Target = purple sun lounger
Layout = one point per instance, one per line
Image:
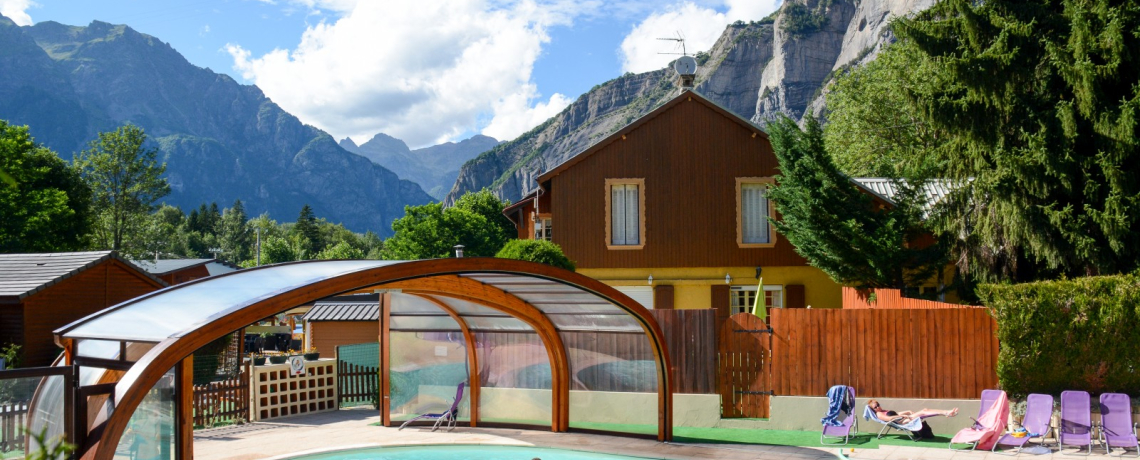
(1038, 414)
(1076, 420)
(849, 427)
(445, 418)
(1116, 427)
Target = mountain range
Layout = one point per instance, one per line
(435, 168)
(220, 140)
(781, 64)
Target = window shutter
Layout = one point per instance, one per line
(663, 297)
(720, 302)
(794, 296)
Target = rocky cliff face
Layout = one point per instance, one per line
(777, 65)
(434, 168)
(221, 140)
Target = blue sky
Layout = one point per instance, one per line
(425, 71)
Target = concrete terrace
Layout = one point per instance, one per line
(290, 436)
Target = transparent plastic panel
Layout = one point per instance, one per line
(150, 432)
(407, 304)
(463, 307)
(104, 349)
(45, 414)
(599, 323)
(609, 309)
(614, 381)
(561, 298)
(493, 324)
(426, 369)
(183, 308)
(515, 376)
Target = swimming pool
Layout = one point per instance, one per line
(462, 452)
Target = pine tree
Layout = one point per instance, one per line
(236, 240)
(308, 233)
(835, 226)
(1040, 113)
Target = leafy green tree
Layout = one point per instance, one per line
(275, 249)
(1039, 111)
(835, 226)
(430, 232)
(126, 180)
(341, 250)
(541, 251)
(46, 206)
(486, 204)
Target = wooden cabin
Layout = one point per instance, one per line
(343, 320)
(673, 210)
(178, 271)
(42, 292)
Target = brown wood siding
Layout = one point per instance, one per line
(720, 302)
(327, 335)
(189, 274)
(12, 324)
(689, 157)
(663, 297)
(87, 292)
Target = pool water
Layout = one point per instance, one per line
(480, 452)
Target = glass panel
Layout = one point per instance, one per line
(632, 219)
(183, 308)
(754, 207)
(515, 379)
(104, 349)
(411, 304)
(608, 323)
(580, 308)
(614, 382)
(581, 297)
(424, 323)
(150, 432)
(463, 307)
(425, 369)
(16, 400)
(617, 215)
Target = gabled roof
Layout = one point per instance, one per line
(933, 191)
(164, 266)
(22, 275)
(682, 97)
(346, 308)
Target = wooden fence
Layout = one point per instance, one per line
(855, 299)
(692, 348)
(223, 401)
(357, 384)
(923, 353)
(13, 420)
(743, 367)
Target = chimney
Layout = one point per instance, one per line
(686, 68)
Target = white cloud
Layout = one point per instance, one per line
(424, 71)
(700, 26)
(17, 11)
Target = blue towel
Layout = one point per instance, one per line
(837, 401)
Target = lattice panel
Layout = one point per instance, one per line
(276, 393)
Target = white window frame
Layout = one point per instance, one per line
(733, 296)
(640, 183)
(740, 182)
(542, 228)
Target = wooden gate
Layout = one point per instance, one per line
(744, 367)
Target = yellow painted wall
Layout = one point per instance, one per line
(691, 286)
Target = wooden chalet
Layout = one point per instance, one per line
(178, 271)
(672, 210)
(342, 320)
(42, 292)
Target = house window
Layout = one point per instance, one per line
(753, 212)
(625, 213)
(542, 228)
(741, 298)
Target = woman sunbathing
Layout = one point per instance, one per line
(889, 415)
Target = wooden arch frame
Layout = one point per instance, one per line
(133, 387)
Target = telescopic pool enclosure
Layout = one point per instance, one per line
(535, 345)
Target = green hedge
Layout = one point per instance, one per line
(541, 251)
(1080, 334)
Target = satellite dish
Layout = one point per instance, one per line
(685, 65)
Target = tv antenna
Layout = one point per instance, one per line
(680, 39)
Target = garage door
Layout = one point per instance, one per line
(642, 294)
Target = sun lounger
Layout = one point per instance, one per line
(1076, 420)
(987, 427)
(894, 424)
(1038, 415)
(447, 418)
(1116, 427)
(849, 425)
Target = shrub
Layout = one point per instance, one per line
(541, 251)
(1078, 334)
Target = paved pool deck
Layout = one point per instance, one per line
(290, 436)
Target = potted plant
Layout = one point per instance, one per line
(278, 359)
(312, 354)
(258, 359)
